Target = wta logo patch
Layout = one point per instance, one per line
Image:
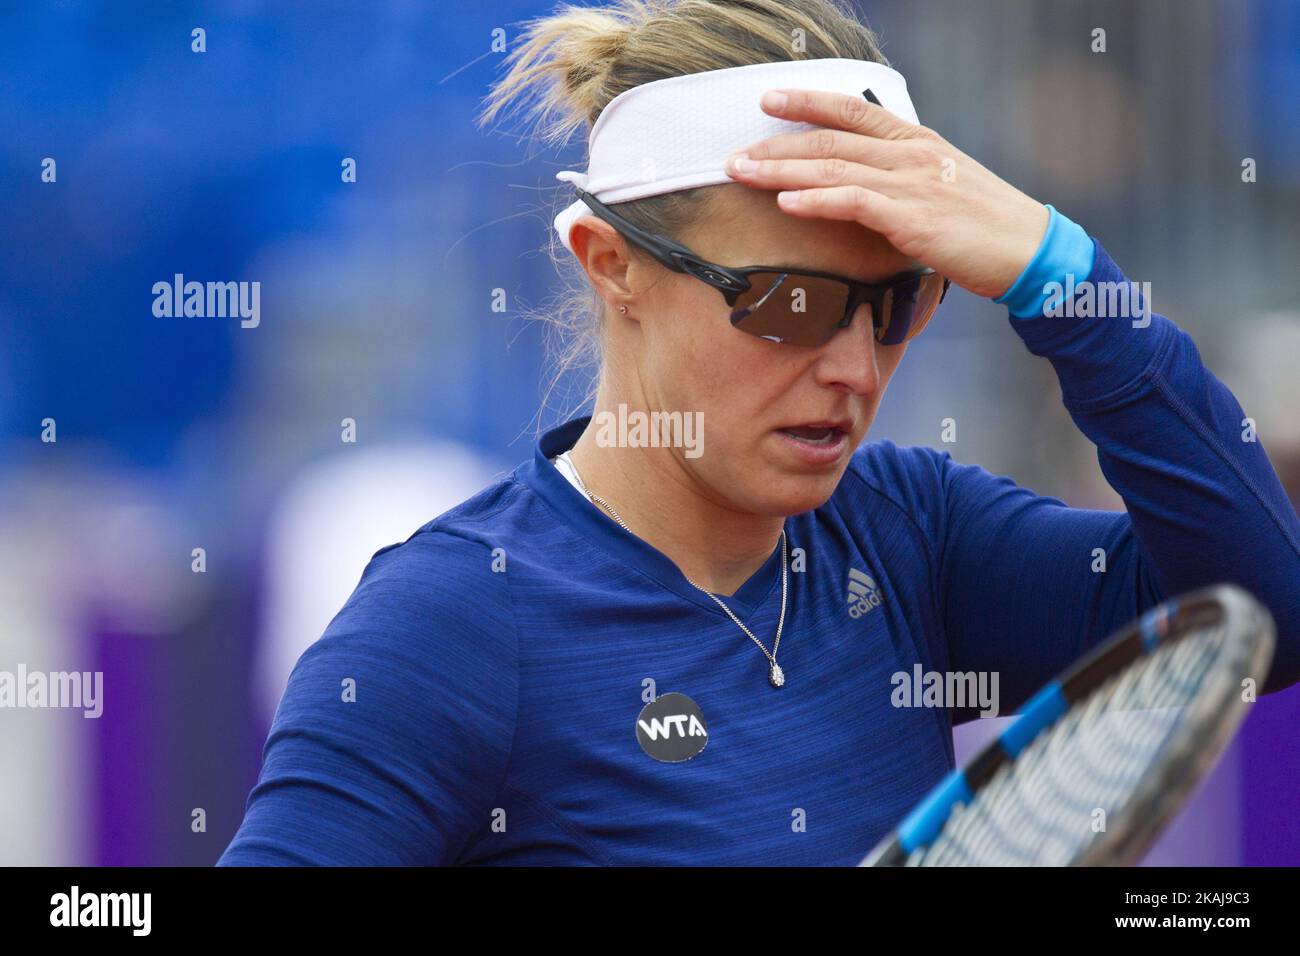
(671, 728)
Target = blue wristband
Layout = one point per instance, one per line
(1066, 249)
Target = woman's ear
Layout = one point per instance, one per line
(603, 254)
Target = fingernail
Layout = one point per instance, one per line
(774, 100)
(743, 164)
(789, 197)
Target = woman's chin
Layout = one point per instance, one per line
(785, 494)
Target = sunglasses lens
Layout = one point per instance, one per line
(790, 308)
(908, 307)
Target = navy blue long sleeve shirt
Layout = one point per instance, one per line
(500, 657)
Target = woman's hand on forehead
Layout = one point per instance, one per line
(932, 202)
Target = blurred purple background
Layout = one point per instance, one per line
(183, 433)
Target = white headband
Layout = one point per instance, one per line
(677, 133)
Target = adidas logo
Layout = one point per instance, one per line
(864, 594)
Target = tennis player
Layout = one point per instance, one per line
(689, 651)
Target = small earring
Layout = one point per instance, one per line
(623, 309)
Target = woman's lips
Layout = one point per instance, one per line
(815, 445)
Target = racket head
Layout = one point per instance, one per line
(1197, 650)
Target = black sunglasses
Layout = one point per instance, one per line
(795, 306)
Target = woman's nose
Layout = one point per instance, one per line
(848, 360)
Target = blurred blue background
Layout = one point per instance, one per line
(175, 434)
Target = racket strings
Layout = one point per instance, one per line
(1042, 809)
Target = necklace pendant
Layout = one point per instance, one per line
(776, 675)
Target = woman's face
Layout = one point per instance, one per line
(689, 358)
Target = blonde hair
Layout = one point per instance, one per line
(569, 64)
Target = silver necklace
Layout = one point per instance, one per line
(775, 675)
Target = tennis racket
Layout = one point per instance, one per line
(1100, 759)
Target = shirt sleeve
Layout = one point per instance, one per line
(393, 735)
(1022, 590)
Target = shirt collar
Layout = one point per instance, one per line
(592, 522)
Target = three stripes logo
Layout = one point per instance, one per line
(864, 594)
